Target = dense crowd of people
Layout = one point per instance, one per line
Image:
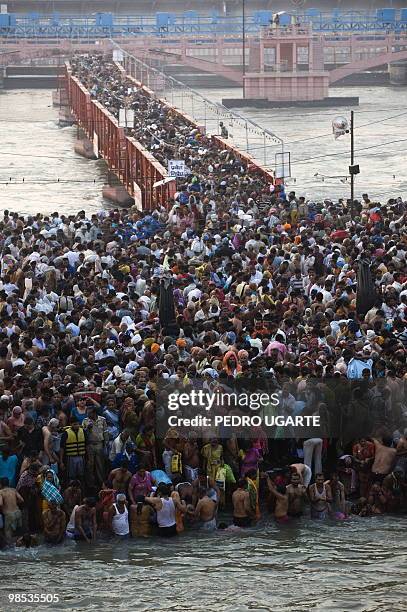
(234, 280)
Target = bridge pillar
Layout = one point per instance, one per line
(353, 48)
(284, 83)
(398, 73)
(219, 58)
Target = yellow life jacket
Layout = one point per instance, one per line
(75, 443)
(176, 463)
(221, 477)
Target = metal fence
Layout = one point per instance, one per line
(243, 133)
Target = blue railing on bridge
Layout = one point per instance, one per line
(103, 25)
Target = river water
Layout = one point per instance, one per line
(380, 118)
(354, 566)
(34, 148)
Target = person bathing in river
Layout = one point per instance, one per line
(242, 511)
(282, 500)
(320, 498)
(205, 511)
(297, 495)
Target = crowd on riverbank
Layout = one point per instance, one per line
(233, 283)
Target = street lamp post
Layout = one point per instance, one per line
(352, 161)
(340, 127)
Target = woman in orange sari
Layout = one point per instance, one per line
(231, 364)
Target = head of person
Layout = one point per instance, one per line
(53, 425)
(398, 473)
(295, 479)
(29, 422)
(81, 403)
(319, 479)
(49, 475)
(53, 506)
(252, 474)
(121, 499)
(17, 412)
(242, 483)
(92, 414)
(75, 424)
(75, 484)
(164, 490)
(125, 435)
(124, 465)
(141, 471)
(34, 469)
(130, 447)
(90, 502)
(140, 503)
(26, 540)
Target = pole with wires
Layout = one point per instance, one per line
(244, 44)
(341, 126)
(353, 168)
(352, 159)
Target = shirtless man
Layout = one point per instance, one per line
(6, 435)
(85, 521)
(9, 500)
(297, 495)
(377, 499)
(304, 472)
(205, 482)
(336, 491)
(320, 498)
(395, 489)
(120, 477)
(401, 456)
(54, 521)
(72, 497)
(281, 496)
(205, 511)
(384, 459)
(241, 505)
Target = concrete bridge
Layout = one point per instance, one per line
(294, 53)
(340, 55)
(392, 53)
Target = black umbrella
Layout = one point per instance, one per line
(167, 308)
(366, 294)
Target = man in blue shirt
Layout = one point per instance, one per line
(8, 466)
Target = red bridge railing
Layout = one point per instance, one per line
(133, 165)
